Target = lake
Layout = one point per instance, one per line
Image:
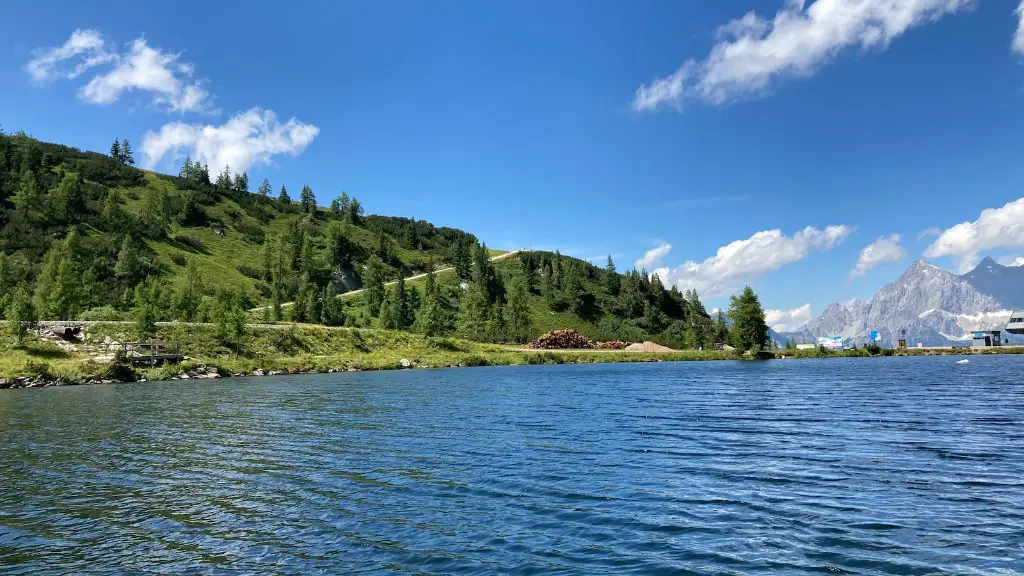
(878, 465)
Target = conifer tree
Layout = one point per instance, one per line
(518, 307)
(115, 150)
(190, 292)
(721, 329)
(307, 199)
(242, 182)
(27, 199)
(66, 197)
(21, 315)
(57, 286)
(224, 178)
(528, 271)
(387, 312)
(474, 312)
(283, 197)
(611, 278)
(129, 267)
(187, 169)
(433, 317)
(402, 310)
(112, 215)
(126, 153)
(264, 189)
(462, 260)
(373, 283)
(355, 212)
(749, 330)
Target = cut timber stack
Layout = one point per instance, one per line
(561, 340)
(612, 345)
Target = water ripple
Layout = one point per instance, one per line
(859, 466)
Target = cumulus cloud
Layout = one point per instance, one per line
(1018, 37)
(142, 68)
(48, 63)
(995, 228)
(1012, 261)
(885, 249)
(250, 137)
(653, 257)
(745, 260)
(752, 52)
(788, 320)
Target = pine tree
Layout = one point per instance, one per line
(57, 286)
(529, 272)
(27, 199)
(190, 292)
(373, 283)
(474, 312)
(721, 329)
(307, 199)
(111, 215)
(242, 182)
(402, 307)
(611, 278)
(573, 291)
(126, 153)
(283, 197)
(430, 286)
(387, 313)
(749, 330)
(224, 178)
(21, 315)
(344, 202)
(147, 297)
(129, 267)
(66, 198)
(355, 212)
(433, 317)
(264, 189)
(187, 169)
(339, 249)
(115, 151)
(518, 308)
(462, 260)
(156, 213)
(497, 327)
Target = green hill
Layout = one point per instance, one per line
(89, 236)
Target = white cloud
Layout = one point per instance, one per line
(1012, 261)
(885, 249)
(929, 232)
(788, 320)
(653, 257)
(142, 68)
(744, 260)
(149, 70)
(1018, 37)
(752, 52)
(85, 43)
(248, 138)
(995, 228)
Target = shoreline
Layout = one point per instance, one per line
(432, 354)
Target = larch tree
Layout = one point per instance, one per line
(749, 329)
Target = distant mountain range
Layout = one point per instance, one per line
(934, 306)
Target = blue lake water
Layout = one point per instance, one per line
(864, 466)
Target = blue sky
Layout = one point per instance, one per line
(577, 124)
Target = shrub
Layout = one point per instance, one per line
(108, 313)
(179, 258)
(191, 242)
(253, 272)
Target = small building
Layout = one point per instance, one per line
(987, 338)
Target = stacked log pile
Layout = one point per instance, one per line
(573, 340)
(561, 340)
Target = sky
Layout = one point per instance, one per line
(809, 149)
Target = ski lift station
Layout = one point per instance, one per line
(987, 338)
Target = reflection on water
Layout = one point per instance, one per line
(896, 466)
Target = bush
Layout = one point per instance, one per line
(191, 242)
(873, 348)
(100, 313)
(179, 258)
(253, 272)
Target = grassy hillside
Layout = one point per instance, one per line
(89, 236)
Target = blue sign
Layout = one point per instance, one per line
(874, 336)
(979, 334)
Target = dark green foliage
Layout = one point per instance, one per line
(283, 197)
(21, 314)
(611, 278)
(307, 199)
(264, 189)
(518, 311)
(373, 283)
(749, 330)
